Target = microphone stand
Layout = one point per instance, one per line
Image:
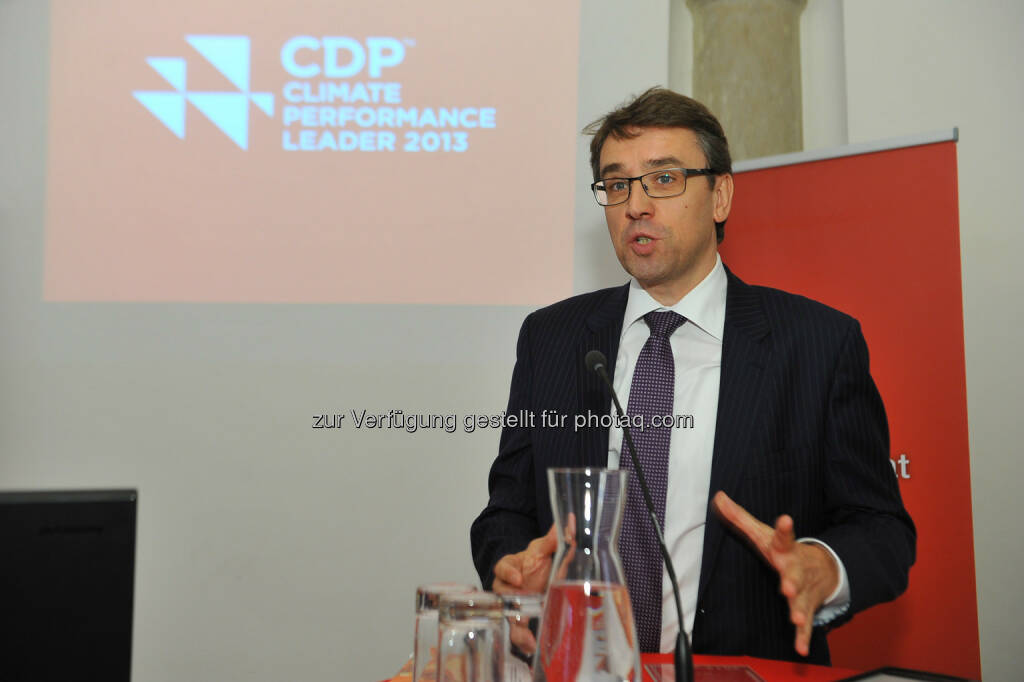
(683, 657)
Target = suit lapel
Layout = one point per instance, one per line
(602, 332)
(746, 354)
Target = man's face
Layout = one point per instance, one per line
(667, 244)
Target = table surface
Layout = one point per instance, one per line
(768, 670)
(711, 668)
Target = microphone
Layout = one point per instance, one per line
(683, 659)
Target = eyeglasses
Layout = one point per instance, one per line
(659, 184)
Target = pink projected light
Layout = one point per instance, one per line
(311, 154)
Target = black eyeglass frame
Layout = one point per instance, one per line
(687, 172)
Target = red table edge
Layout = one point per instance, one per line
(772, 671)
(769, 669)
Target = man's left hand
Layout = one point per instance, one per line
(807, 572)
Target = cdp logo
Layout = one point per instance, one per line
(229, 111)
(342, 57)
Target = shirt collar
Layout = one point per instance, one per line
(704, 305)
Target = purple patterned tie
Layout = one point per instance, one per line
(651, 394)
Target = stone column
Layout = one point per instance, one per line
(746, 69)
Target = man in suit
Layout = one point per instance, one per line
(789, 435)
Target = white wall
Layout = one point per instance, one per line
(823, 74)
(915, 66)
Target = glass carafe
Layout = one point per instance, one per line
(587, 631)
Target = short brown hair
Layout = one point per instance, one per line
(661, 108)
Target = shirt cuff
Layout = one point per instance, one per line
(838, 602)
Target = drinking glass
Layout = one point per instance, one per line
(521, 609)
(471, 642)
(428, 598)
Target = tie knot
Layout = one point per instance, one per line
(663, 323)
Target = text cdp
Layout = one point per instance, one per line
(340, 56)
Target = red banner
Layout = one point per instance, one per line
(877, 236)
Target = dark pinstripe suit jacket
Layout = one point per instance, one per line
(801, 430)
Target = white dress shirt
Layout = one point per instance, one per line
(697, 352)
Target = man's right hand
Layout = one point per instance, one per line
(526, 571)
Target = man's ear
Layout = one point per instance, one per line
(722, 196)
